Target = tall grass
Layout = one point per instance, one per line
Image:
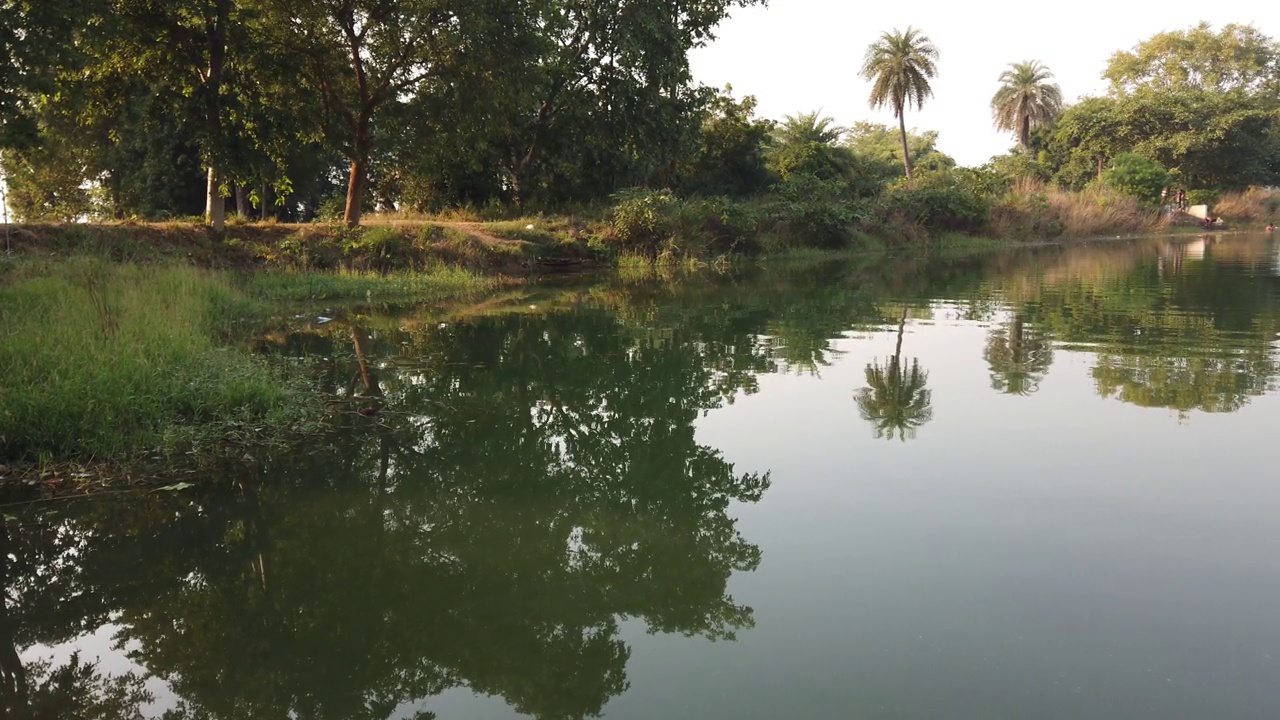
(1255, 205)
(100, 361)
(1033, 210)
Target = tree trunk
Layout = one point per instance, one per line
(242, 208)
(264, 200)
(1024, 134)
(355, 191)
(906, 154)
(361, 148)
(215, 208)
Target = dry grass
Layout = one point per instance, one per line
(1253, 206)
(1032, 210)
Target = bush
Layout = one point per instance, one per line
(644, 220)
(378, 248)
(939, 201)
(1137, 177)
(810, 212)
(1203, 197)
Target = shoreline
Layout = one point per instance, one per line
(147, 470)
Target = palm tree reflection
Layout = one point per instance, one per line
(896, 401)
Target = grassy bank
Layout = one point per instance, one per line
(104, 361)
(431, 284)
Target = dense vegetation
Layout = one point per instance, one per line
(331, 109)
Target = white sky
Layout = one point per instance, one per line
(801, 55)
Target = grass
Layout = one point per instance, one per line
(435, 283)
(103, 361)
(1253, 206)
(1033, 211)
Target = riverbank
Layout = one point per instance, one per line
(128, 345)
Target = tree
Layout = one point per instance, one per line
(899, 67)
(37, 39)
(1019, 356)
(362, 55)
(1135, 175)
(1026, 100)
(729, 158)
(1211, 140)
(605, 85)
(1236, 58)
(896, 401)
(806, 128)
(881, 144)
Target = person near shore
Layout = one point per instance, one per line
(1182, 199)
(1271, 227)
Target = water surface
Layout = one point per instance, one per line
(1035, 484)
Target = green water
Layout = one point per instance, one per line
(1034, 485)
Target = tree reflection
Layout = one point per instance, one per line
(1019, 356)
(29, 612)
(527, 485)
(896, 401)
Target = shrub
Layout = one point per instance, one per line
(379, 248)
(810, 212)
(1203, 197)
(938, 201)
(644, 219)
(1136, 176)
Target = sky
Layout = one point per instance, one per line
(802, 55)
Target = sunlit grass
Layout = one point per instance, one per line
(103, 360)
(434, 283)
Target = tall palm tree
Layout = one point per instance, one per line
(1019, 357)
(1026, 100)
(899, 66)
(895, 400)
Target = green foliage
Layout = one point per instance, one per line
(807, 211)
(644, 219)
(105, 360)
(880, 149)
(1136, 176)
(1236, 58)
(1209, 139)
(1020, 165)
(729, 158)
(938, 201)
(1203, 197)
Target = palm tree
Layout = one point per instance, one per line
(806, 128)
(899, 66)
(895, 400)
(1019, 357)
(1026, 100)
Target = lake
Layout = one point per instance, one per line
(1030, 484)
